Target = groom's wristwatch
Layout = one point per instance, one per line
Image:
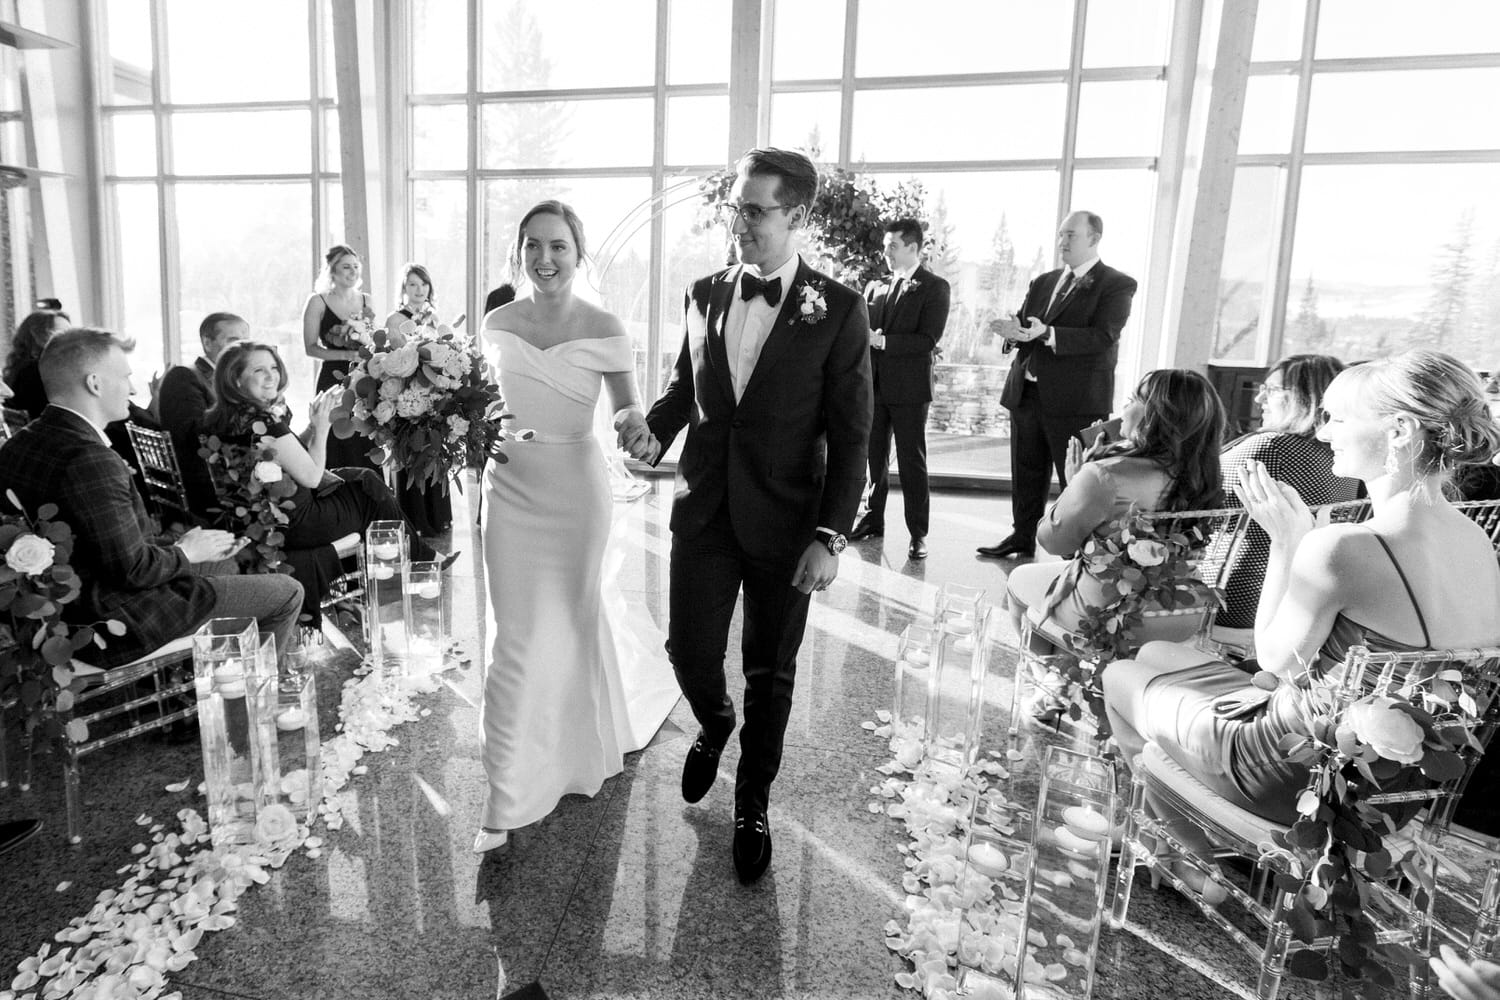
(834, 541)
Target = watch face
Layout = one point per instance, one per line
(837, 544)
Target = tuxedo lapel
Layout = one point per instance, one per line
(782, 331)
(719, 298)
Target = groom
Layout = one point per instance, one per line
(773, 384)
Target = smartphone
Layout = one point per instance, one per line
(460, 321)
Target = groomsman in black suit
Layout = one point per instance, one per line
(773, 387)
(908, 312)
(185, 394)
(1067, 338)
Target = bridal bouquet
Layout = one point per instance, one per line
(358, 331)
(429, 405)
(36, 645)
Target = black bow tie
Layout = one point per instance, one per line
(751, 286)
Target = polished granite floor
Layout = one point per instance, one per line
(629, 894)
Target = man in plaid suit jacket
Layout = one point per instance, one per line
(63, 457)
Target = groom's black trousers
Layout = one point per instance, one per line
(708, 572)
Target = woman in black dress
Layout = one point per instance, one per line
(426, 505)
(336, 303)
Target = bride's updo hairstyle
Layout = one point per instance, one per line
(331, 259)
(1440, 393)
(549, 207)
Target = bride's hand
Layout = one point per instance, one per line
(1274, 505)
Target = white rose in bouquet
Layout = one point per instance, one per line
(1393, 734)
(457, 428)
(438, 355)
(385, 411)
(402, 361)
(456, 365)
(413, 402)
(1145, 552)
(267, 471)
(29, 554)
(374, 367)
(390, 388)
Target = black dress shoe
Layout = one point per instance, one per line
(917, 549)
(752, 845)
(17, 832)
(1011, 546)
(700, 769)
(867, 527)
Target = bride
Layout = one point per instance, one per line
(566, 692)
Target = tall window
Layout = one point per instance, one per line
(618, 129)
(1364, 218)
(220, 170)
(983, 124)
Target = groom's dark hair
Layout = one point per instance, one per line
(798, 175)
(910, 230)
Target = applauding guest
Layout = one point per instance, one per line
(1067, 339)
(1417, 575)
(907, 317)
(1286, 445)
(249, 385)
(156, 591)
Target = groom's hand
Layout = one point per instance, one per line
(816, 569)
(634, 435)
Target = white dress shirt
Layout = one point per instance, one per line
(749, 321)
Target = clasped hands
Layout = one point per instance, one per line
(635, 437)
(1011, 328)
(202, 545)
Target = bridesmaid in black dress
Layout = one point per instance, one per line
(426, 505)
(336, 301)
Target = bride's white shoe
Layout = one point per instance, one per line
(485, 841)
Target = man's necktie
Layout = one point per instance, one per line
(751, 286)
(1062, 289)
(894, 294)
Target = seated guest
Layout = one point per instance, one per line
(249, 382)
(1289, 398)
(21, 374)
(185, 394)
(1168, 459)
(1417, 575)
(158, 592)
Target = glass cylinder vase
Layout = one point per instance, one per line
(995, 883)
(955, 698)
(234, 677)
(1071, 840)
(298, 740)
(386, 549)
(914, 652)
(426, 625)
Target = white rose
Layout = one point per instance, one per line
(267, 471)
(457, 364)
(438, 355)
(29, 554)
(458, 426)
(402, 361)
(412, 403)
(1387, 730)
(407, 328)
(374, 367)
(275, 826)
(385, 411)
(807, 308)
(391, 388)
(1144, 552)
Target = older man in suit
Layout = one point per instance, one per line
(185, 394)
(773, 386)
(907, 315)
(156, 591)
(1066, 337)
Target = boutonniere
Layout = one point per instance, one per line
(812, 307)
(1084, 283)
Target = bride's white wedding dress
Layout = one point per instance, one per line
(570, 686)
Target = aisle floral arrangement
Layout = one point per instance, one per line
(427, 402)
(1146, 565)
(254, 496)
(1342, 846)
(36, 645)
(182, 885)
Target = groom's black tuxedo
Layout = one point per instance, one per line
(757, 476)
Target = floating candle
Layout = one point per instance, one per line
(1074, 844)
(291, 719)
(918, 657)
(1084, 822)
(382, 572)
(428, 591)
(385, 550)
(988, 859)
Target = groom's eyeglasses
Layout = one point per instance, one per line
(752, 214)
